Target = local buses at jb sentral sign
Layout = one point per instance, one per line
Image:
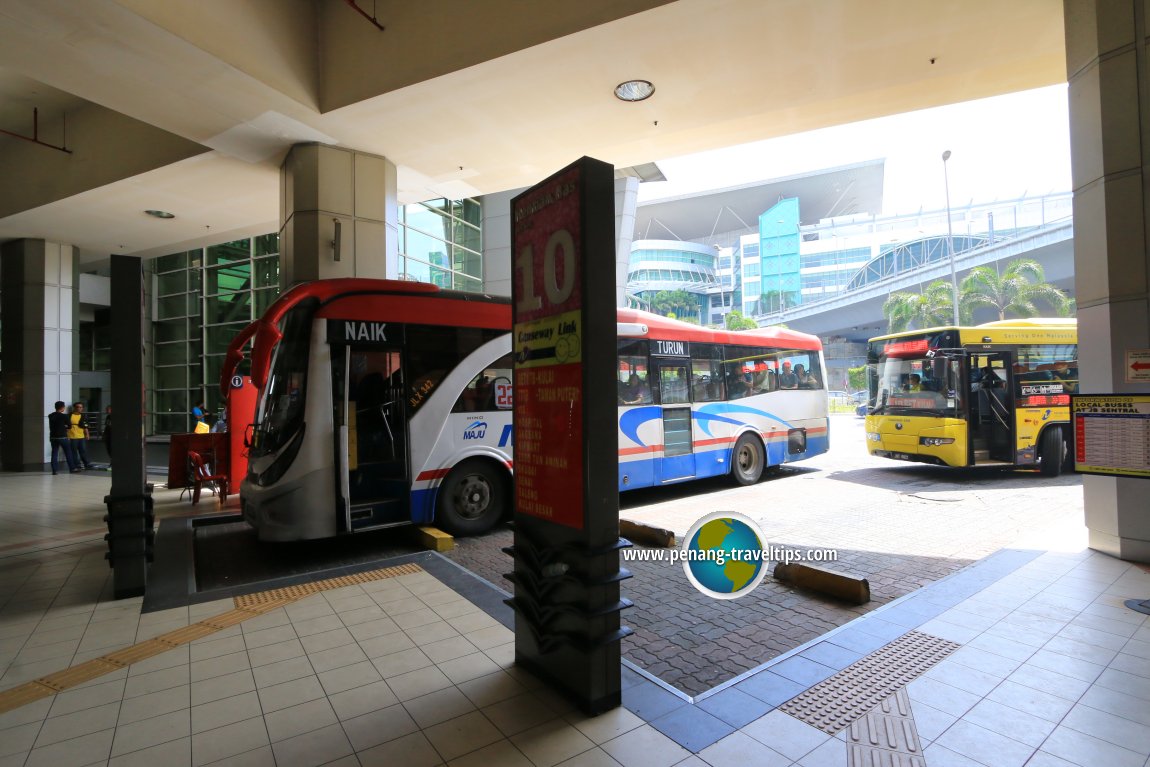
(995, 394)
(386, 402)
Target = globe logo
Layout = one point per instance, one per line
(723, 555)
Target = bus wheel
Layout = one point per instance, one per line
(1051, 452)
(747, 460)
(472, 498)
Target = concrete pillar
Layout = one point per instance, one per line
(329, 197)
(1107, 67)
(37, 281)
(626, 203)
(497, 243)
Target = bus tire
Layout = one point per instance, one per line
(747, 460)
(1051, 452)
(472, 499)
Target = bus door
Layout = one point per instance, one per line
(991, 407)
(673, 379)
(371, 437)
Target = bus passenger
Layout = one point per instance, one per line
(787, 379)
(738, 387)
(1064, 375)
(806, 379)
(759, 381)
(637, 391)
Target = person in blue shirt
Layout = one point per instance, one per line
(787, 379)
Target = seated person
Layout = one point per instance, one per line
(914, 382)
(1065, 375)
(787, 379)
(484, 394)
(807, 379)
(637, 391)
(759, 381)
(738, 387)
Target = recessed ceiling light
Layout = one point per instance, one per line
(634, 90)
(160, 213)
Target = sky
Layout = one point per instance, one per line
(1001, 149)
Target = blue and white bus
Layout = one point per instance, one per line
(389, 403)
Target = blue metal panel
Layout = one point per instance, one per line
(712, 463)
(423, 506)
(677, 469)
(640, 474)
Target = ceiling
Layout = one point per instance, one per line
(190, 105)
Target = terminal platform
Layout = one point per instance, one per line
(1027, 657)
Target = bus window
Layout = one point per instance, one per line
(1046, 369)
(631, 380)
(803, 366)
(738, 379)
(673, 388)
(434, 350)
(490, 390)
(706, 373)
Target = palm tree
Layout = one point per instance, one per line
(933, 306)
(1015, 290)
(771, 301)
(675, 303)
(735, 320)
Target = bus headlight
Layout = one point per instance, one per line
(935, 441)
(874, 436)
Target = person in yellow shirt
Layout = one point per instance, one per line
(78, 434)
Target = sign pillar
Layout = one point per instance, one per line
(130, 515)
(566, 549)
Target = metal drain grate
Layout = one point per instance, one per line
(834, 703)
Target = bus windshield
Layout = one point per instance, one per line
(281, 406)
(915, 385)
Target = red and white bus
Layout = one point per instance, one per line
(385, 403)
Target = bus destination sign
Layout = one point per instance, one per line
(1111, 434)
(547, 345)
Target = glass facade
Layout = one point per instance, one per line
(441, 242)
(202, 298)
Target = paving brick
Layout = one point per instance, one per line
(864, 508)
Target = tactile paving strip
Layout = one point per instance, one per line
(292, 593)
(835, 702)
(247, 606)
(885, 735)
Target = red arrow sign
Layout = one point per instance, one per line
(1141, 365)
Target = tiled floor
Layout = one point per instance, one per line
(1052, 670)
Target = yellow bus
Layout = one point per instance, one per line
(996, 394)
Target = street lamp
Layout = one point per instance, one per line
(950, 237)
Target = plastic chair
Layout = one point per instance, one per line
(201, 476)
